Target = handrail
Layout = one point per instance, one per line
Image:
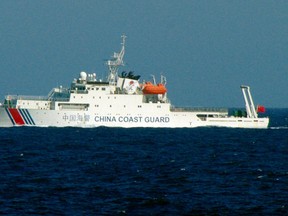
(41, 98)
(199, 109)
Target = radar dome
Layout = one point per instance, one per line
(83, 75)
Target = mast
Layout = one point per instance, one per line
(115, 62)
(250, 108)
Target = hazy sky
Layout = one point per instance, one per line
(206, 49)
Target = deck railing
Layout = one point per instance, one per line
(199, 109)
(39, 98)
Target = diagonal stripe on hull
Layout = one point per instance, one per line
(29, 117)
(26, 119)
(17, 118)
(10, 117)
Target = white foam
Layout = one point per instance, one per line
(279, 128)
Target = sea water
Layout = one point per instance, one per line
(116, 171)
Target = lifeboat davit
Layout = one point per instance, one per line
(149, 88)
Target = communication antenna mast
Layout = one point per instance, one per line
(115, 62)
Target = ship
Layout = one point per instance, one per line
(121, 100)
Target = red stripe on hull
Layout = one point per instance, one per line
(16, 116)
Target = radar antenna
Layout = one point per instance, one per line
(115, 62)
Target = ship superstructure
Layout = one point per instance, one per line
(120, 101)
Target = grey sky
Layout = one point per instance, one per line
(206, 49)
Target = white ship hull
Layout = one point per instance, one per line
(24, 117)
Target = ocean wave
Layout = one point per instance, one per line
(279, 128)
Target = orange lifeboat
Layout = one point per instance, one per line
(149, 88)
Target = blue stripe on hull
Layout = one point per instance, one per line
(24, 116)
(29, 117)
(8, 113)
(24, 113)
